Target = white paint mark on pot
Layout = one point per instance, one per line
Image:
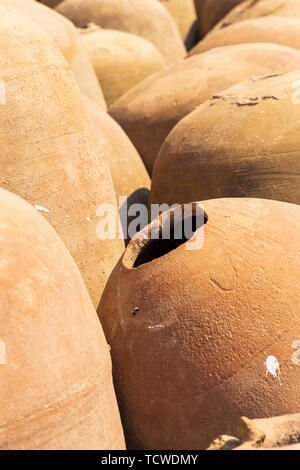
(42, 209)
(272, 366)
(88, 219)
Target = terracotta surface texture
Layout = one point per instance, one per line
(243, 142)
(64, 33)
(50, 155)
(272, 29)
(56, 385)
(126, 166)
(257, 8)
(195, 333)
(120, 60)
(146, 18)
(151, 109)
(183, 12)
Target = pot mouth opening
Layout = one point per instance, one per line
(164, 234)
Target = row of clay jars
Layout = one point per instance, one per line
(64, 33)
(276, 433)
(271, 29)
(203, 332)
(56, 384)
(242, 142)
(150, 110)
(183, 12)
(210, 12)
(50, 153)
(146, 18)
(254, 9)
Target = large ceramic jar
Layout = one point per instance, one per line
(204, 333)
(56, 387)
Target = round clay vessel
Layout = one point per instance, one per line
(120, 60)
(272, 29)
(183, 12)
(192, 327)
(243, 142)
(56, 384)
(151, 109)
(50, 155)
(130, 177)
(146, 18)
(64, 33)
(210, 12)
(257, 8)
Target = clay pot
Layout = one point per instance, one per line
(191, 330)
(50, 154)
(150, 110)
(255, 9)
(242, 142)
(56, 385)
(120, 60)
(272, 29)
(130, 178)
(183, 12)
(278, 433)
(210, 12)
(63, 32)
(146, 18)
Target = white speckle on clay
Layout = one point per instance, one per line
(88, 219)
(42, 209)
(272, 366)
(67, 216)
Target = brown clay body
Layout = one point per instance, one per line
(130, 177)
(120, 60)
(146, 18)
(271, 29)
(49, 151)
(183, 12)
(126, 166)
(63, 32)
(243, 142)
(56, 385)
(151, 109)
(254, 9)
(210, 12)
(191, 331)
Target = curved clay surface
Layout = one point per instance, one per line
(243, 142)
(146, 18)
(272, 29)
(257, 8)
(56, 384)
(183, 12)
(49, 152)
(121, 60)
(150, 110)
(64, 34)
(192, 331)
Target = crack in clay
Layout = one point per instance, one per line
(250, 101)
